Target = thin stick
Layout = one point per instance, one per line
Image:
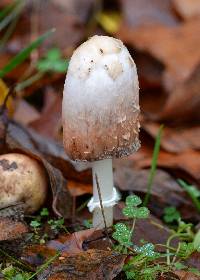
(101, 204)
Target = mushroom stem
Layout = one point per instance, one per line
(104, 172)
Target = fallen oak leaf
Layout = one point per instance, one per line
(169, 46)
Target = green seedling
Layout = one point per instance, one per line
(57, 225)
(123, 233)
(52, 62)
(171, 215)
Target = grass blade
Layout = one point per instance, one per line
(5, 11)
(19, 58)
(191, 193)
(15, 11)
(153, 165)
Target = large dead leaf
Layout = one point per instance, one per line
(185, 165)
(165, 190)
(177, 48)
(65, 17)
(184, 101)
(49, 124)
(92, 264)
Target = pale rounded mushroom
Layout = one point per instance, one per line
(22, 180)
(100, 114)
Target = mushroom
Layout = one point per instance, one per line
(100, 113)
(22, 179)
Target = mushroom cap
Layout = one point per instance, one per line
(22, 179)
(100, 109)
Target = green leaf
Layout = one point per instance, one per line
(147, 250)
(196, 241)
(133, 200)
(130, 274)
(143, 213)
(134, 212)
(52, 62)
(130, 212)
(171, 214)
(54, 54)
(35, 224)
(19, 58)
(44, 212)
(122, 234)
(186, 249)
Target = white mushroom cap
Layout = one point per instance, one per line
(100, 108)
(22, 179)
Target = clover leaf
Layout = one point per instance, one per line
(52, 62)
(122, 234)
(147, 250)
(171, 214)
(133, 200)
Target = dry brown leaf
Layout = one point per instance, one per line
(184, 101)
(175, 140)
(186, 164)
(92, 264)
(187, 8)
(165, 190)
(25, 113)
(78, 188)
(65, 18)
(71, 243)
(141, 12)
(49, 124)
(194, 260)
(184, 275)
(10, 229)
(177, 48)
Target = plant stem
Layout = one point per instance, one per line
(153, 165)
(29, 81)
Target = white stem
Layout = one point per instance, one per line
(103, 170)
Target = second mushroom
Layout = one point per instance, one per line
(100, 113)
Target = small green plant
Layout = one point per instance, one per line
(123, 233)
(171, 214)
(13, 273)
(143, 261)
(52, 62)
(57, 225)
